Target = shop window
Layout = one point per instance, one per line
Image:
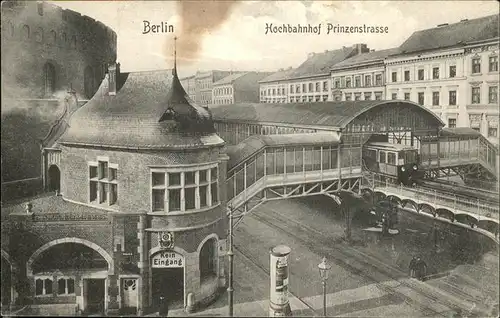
(103, 187)
(195, 188)
(43, 286)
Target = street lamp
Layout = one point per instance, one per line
(230, 256)
(323, 274)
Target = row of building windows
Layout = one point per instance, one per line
(346, 82)
(452, 96)
(44, 286)
(309, 88)
(357, 96)
(39, 35)
(223, 101)
(223, 91)
(476, 69)
(184, 190)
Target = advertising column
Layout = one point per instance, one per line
(279, 305)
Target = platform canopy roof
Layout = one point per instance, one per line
(333, 115)
(150, 110)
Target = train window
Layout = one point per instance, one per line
(382, 157)
(391, 158)
(401, 158)
(411, 156)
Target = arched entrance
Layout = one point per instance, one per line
(167, 269)
(208, 260)
(54, 178)
(71, 270)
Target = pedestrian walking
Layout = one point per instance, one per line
(163, 310)
(412, 266)
(421, 268)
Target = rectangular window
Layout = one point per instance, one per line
(189, 198)
(493, 94)
(93, 191)
(158, 199)
(357, 81)
(311, 87)
(348, 82)
(189, 178)
(476, 65)
(298, 88)
(325, 86)
(203, 176)
(476, 95)
(407, 96)
(394, 77)
(174, 200)
(215, 194)
(378, 79)
(368, 80)
(103, 184)
(394, 96)
(453, 71)
(407, 76)
(452, 123)
(492, 132)
(337, 83)
(174, 179)
(291, 89)
(203, 196)
(493, 63)
(435, 98)
(382, 157)
(304, 88)
(435, 73)
(421, 98)
(391, 158)
(452, 98)
(421, 75)
(317, 87)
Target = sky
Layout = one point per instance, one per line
(230, 35)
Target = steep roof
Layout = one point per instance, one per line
(151, 110)
(228, 79)
(277, 76)
(365, 58)
(321, 63)
(450, 35)
(334, 115)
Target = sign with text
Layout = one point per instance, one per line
(167, 259)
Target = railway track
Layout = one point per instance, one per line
(461, 191)
(347, 257)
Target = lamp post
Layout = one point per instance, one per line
(230, 254)
(323, 274)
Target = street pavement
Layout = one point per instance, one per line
(352, 290)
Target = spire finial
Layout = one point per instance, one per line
(174, 71)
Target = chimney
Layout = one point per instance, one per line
(361, 48)
(113, 72)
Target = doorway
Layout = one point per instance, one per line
(94, 295)
(168, 282)
(54, 178)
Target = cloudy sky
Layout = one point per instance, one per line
(231, 35)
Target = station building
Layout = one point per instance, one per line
(141, 210)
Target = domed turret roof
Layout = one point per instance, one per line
(149, 110)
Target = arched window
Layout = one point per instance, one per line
(73, 42)
(88, 82)
(64, 38)
(25, 34)
(50, 79)
(53, 37)
(39, 35)
(208, 259)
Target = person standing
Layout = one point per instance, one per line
(412, 266)
(421, 268)
(163, 310)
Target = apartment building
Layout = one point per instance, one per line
(451, 69)
(310, 82)
(239, 87)
(361, 77)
